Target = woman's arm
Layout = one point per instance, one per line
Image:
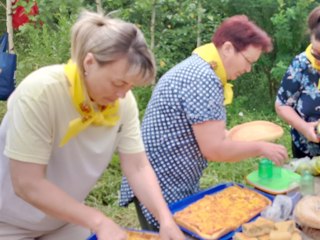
(143, 181)
(30, 184)
(289, 115)
(214, 145)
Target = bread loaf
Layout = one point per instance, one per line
(307, 212)
(312, 233)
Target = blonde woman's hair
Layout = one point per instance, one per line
(110, 39)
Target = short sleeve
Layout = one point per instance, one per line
(130, 136)
(29, 136)
(203, 99)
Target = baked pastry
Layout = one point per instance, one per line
(136, 235)
(286, 226)
(279, 235)
(284, 230)
(241, 236)
(261, 226)
(296, 235)
(215, 215)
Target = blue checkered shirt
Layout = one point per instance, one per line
(188, 94)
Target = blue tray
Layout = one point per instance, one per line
(178, 206)
(94, 237)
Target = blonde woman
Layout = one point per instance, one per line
(63, 124)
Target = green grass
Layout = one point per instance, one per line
(3, 108)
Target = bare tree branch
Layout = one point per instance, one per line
(99, 6)
(199, 23)
(9, 26)
(153, 23)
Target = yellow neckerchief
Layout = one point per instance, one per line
(311, 58)
(210, 54)
(105, 116)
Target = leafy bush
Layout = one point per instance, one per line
(43, 45)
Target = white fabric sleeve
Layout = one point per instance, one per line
(29, 135)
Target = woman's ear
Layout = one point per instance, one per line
(88, 61)
(227, 49)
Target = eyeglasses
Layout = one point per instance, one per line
(315, 55)
(246, 58)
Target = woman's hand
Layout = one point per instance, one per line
(109, 230)
(309, 132)
(275, 152)
(170, 231)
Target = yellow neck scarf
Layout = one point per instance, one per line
(105, 116)
(311, 58)
(210, 54)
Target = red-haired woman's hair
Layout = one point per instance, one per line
(241, 32)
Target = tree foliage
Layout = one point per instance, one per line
(2, 16)
(174, 34)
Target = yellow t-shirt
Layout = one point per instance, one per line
(39, 112)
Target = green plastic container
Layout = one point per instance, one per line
(274, 179)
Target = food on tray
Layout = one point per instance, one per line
(278, 235)
(284, 230)
(217, 214)
(255, 131)
(261, 226)
(286, 226)
(241, 236)
(296, 235)
(135, 235)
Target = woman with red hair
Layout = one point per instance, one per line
(184, 125)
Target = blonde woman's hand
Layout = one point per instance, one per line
(109, 230)
(169, 230)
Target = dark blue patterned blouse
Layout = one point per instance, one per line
(188, 94)
(299, 89)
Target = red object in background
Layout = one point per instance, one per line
(20, 17)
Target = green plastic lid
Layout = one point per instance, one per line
(283, 181)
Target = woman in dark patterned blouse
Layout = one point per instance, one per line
(298, 99)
